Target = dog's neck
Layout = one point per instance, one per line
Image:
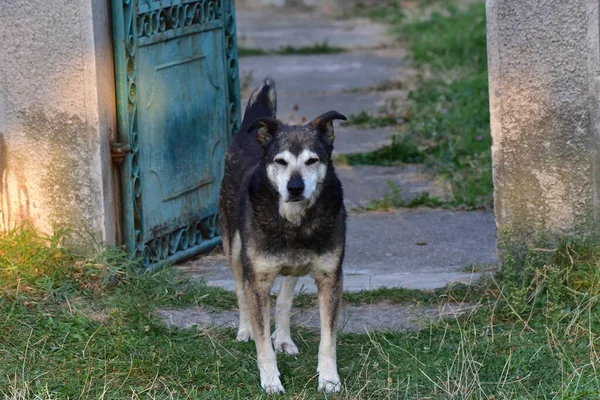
(293, 212)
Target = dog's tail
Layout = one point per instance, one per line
(262, 103)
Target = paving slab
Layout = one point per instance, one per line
(322, 73)
(299, 108)
(419, 249)
(380, 317)
(362, 184)
(355, 140)
(268, 31)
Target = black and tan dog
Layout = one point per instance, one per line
(282, 213)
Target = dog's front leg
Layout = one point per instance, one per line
(283, 314)
(329, 285)
(235, 262)
(258, 285)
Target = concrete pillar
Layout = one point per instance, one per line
(544, 84)
(57, 117)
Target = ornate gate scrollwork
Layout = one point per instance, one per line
(139, 23)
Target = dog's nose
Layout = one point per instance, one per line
(295, 186)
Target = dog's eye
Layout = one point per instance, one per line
(281, 161)
(312, 161)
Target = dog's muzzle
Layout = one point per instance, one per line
(295, 188)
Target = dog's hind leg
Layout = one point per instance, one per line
(329, 285)
(258, 286)
(245, 327)
(283, 312)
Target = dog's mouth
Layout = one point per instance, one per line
(295, 199)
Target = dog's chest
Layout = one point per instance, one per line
(290, 262)
(297, 263)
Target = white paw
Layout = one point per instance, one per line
(273, 389)
(330, 384)
(244, 335)
(285, 346)
(271, 383)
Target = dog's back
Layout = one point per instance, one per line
(244, 154)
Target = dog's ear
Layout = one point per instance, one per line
(324, 124)
(266, 129)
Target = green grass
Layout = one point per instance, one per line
(366, 120)
(319, 48)
(534, 333)
(389, 11)
(388, 115)
(447, 126)
(394, 199)
(451, 293)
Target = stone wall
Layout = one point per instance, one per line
(544, 84)
(57, 116)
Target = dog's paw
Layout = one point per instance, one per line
(271, 383)
(286, 346)
(274, 388)
(244, 335)
(330, 384)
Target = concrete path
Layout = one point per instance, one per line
(309, 85)
(379, 317)
(259, 29)
(365, 183)
(417, 248)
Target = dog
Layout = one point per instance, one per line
(282, 213)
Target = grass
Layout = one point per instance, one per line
(389, 11)
(447, 125)
(388, 115)
(534, 333)
(393, 199)
(319, 48)
(366, 120)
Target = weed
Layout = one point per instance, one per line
(401, 150)
(389, 11)
(388, 115)
(454, 292)
(393, 199)
(366, 120)
(447, 41)
(447, 125)
(319, 48)
(33, 263)
(538, 342)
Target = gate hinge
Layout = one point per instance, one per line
(118, 151)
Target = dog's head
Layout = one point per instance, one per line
(296, 158)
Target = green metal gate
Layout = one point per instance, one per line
(178, 108)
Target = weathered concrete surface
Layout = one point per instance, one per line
(353, 140)
(420, 249)
(308, 86)
(57, 115)
(325, 72)
(326, 6)
(544, 64)
(300, 107)
(275, 30)
(417, 248)
(362, 184)
(380, 317)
